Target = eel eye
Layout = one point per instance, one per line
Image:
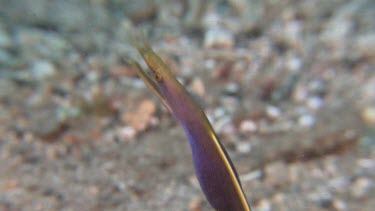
(158, 76)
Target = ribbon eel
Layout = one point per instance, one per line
(213, 167)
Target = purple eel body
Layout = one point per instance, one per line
(214, 169)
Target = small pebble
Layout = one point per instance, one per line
(276, 174)
(243, 147)
(211, 20)
(93, 76)
(193, 180)
(5, 40)
(366, 163)
(294, 64)
(7, 88)
(140, 10)
(314, 102)
(232, 89)
(229, 129)
(292, 32)
(219, 112)
(306, 120)
(120, 186)
(339, 205)
(368, 116)
(123, 70)
(361, 187)
(218, 38)
(336, 31)
(42, 69)
(248, 126)
(317, 87)
(195, 204)
(8, 185)
(222, 71)
(93, 190)
(127, 133)
(300, 93)
(273, 112)
(209, 64)
(321, 196)
(221, 123)
(197, 86)
(339, 184)
(252, 176)
(141, 117)
(365, 45)
(263, 205)
(279, 198)
(229, 103)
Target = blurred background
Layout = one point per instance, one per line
(289, 87)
